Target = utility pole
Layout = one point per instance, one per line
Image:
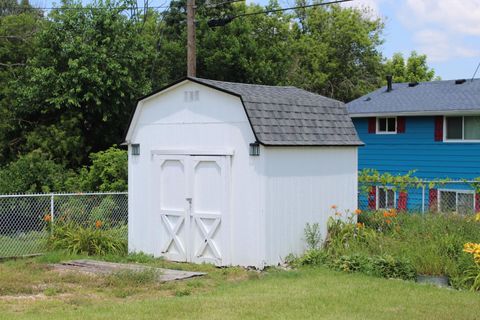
(191, 48)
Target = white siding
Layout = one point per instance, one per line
(216, 120)
(302, 183)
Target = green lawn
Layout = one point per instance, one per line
(23, 244)
(30, 290)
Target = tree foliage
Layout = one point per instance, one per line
(108, 172)
(414, 69)
(77, 91)
(69, 79)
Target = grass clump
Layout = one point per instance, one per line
(132, 278)
(89, 240)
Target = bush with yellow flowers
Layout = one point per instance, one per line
(472, 274)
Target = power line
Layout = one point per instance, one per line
(214, 5)
(223, 21)
(475, 73)
(83, 8)
(19, 7)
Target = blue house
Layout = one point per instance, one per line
(431, 127)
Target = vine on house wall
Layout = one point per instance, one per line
(370, 177)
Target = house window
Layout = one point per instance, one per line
(462, 128)
(386, 198)
(461, 201)
(387, 125)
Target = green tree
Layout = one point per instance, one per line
(415, 69)
(78, 90)
(329, 50)
(18, 27)
(337, 53)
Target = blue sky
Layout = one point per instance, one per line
(447, 31)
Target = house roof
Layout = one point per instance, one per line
(288, 116)
(435, 97)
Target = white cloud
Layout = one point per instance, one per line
(372, 5)
(440, 46)
(442, 29)
(454, 15)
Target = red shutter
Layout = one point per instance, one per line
(402, 201)
(433, 200)
(372, 198)
(400, 124)
(372, 125)
(439, 128)
(477, 202)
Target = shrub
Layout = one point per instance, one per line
(390, 267)
(108, 172)
(33, 172)
(314, 257)
(350, 263)
(88, 240)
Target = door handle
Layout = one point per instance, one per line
(189, 200)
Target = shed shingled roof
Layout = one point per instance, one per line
(425, 97)
(282, 116)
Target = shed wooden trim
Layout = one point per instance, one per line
(194, 151)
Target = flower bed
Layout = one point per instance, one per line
(398, 245)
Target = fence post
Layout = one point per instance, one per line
(423, 199)
(52, 210)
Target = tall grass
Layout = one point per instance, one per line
(78, 239)
(432, 242)
(390, 243)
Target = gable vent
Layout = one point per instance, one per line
(460, 81)
(190, 96)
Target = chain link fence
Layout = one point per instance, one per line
(423, 196)
(27, 220)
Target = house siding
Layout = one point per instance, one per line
(416, 149)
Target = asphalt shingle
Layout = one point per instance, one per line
(291, 116)
(434, 96)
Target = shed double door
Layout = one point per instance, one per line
(192, 204)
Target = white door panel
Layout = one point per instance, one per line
(208, 209)
(172, 187)
(193, 200)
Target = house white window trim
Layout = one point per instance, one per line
(377, 125)
(457, 191)
(377, 200)
(463, 130)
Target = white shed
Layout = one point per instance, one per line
(230, 173)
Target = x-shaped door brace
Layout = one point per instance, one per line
(173, 232)
(207, 235)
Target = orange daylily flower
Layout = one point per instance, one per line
(388, 221)
(98, 224)
(47, 217)
(360, 225)
(357, 212)
(334, 206)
